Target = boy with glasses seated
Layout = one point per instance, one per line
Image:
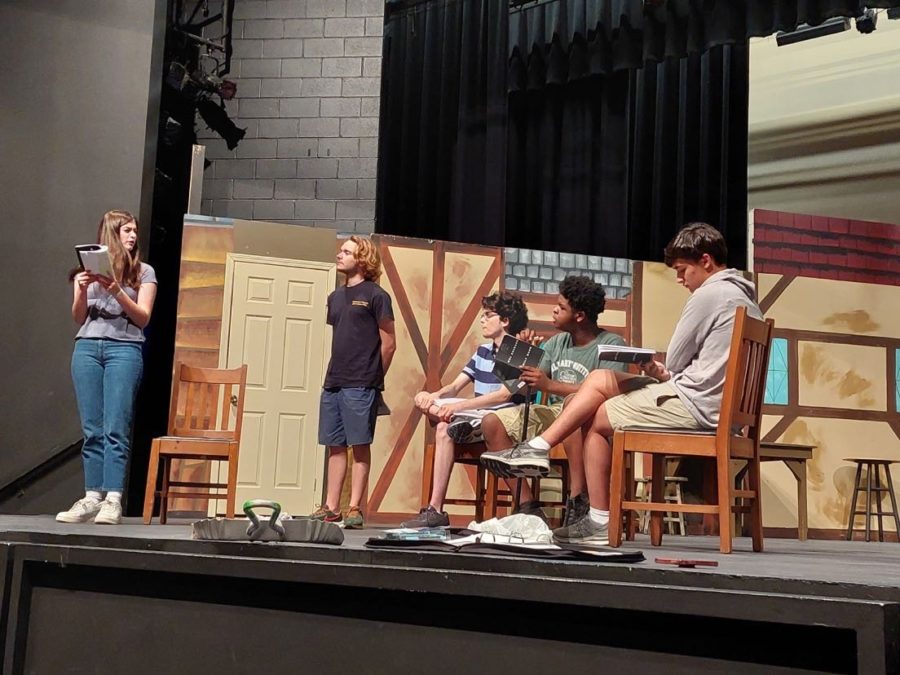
(458, 420)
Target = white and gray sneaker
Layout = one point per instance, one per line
(584, 531)
(110, 513)
(522, 461)
(80, 512)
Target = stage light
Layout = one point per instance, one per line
(807, 32)
(217, 119)
(865, 22)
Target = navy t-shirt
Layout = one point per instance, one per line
(355, 312)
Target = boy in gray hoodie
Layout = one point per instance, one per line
(685, 392)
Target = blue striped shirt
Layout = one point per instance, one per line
(480, 369)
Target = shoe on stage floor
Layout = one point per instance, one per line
(428, 517)
(110, 513)
(585, 531)
(354, 519)
(81, 511)
(326, 514)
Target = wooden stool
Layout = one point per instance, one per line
(873, 466)
(672, 495)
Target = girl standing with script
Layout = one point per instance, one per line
(107, 365)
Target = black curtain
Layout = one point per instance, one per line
(602, 127)
(442, 134)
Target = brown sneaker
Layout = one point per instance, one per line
(354, 519)
(324, 513)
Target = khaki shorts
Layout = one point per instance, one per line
(539, 418)
(656, 405)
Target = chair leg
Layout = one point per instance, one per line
(480, 479)
(679, 515)
(490, 499)
(890, 484)
(724, 498)
(630, 520)
(617, 475)
(231, 490)
(164, 492)
(756, 526)
(853, 501)
(868, 502)
(150, 489)
(879, 512)
(657, 487)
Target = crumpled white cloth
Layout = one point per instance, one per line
(519, 527)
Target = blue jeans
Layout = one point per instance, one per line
(106, 374)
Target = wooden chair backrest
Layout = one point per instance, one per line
(745, 375)
(208, 402)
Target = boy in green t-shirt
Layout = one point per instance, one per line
(568, 358)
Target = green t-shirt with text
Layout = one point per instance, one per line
(563, 361)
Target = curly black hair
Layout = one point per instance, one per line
(509, 306)
(584, 295)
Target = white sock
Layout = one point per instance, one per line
(114, 497)
(539, 443)
(598, 516)
(93, 495)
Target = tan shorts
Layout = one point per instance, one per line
(539, 418)
(656, 405)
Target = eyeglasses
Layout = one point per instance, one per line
(488, 315)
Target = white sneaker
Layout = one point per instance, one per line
(110, 513)
(81, 512)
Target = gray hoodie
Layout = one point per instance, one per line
(698, 352)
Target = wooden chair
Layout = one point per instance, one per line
(742, 399)
(199, 429)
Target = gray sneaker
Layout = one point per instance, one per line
(462, 431)
(522, 461)
(585, 531)
(428, 517)
(576, 508)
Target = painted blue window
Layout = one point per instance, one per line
(777, 377)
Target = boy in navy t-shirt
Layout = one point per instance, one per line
(362, 347)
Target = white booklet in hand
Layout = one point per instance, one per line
(94, 258)
(623, 354)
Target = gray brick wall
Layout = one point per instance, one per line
(308, 75)
(541, 271)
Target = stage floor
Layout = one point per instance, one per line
(862, 569)
(814, 606)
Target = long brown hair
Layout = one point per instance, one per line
(126, 264)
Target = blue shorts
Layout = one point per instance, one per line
(347, 416)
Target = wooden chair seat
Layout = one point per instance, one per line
(742, 399)
(205, 419)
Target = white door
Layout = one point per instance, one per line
(274, 321)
